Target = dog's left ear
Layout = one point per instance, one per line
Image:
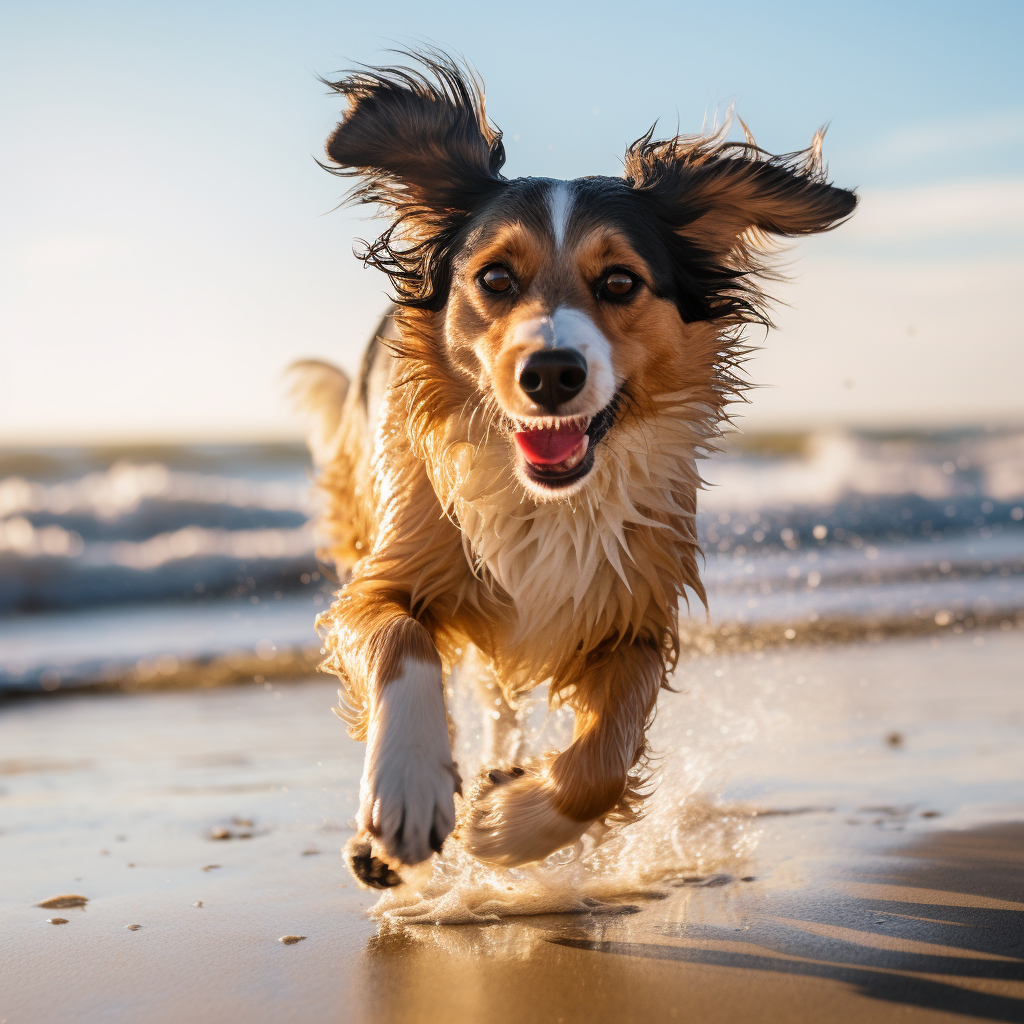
(725, 197)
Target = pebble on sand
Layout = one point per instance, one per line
(220, 832)
(290, 940)
(56, 920)
(60, 902)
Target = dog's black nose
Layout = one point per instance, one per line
(553, 376)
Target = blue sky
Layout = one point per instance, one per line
(167, 245)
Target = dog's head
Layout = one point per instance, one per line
(563, 306)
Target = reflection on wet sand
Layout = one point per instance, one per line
(926, 931)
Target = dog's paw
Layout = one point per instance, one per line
(368, 869)
(407, 796)
(511, 818)
(410, 808)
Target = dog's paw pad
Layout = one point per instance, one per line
(369, 870)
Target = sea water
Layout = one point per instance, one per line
(143, 562)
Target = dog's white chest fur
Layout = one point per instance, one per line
(570, 566)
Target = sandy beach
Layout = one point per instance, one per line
(838, 834)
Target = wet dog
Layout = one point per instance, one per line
(515, 469)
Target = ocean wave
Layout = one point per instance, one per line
(49, 567)
(194, 542)
(848, 565)
(786, 520)
(134, 501)
(119, 490)
(825, 468)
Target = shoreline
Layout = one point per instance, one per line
(239, 668)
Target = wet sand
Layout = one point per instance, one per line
(838, 834)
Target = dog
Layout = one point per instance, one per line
(515, 470)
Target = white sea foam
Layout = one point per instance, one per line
(18, 536)
(111, 493)
(832, 464)
(198, 542)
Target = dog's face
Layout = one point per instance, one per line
(560, 304)
(558, 313)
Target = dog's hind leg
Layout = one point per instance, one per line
(504, 736)
(529, 812)
(507, 736)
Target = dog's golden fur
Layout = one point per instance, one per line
(447, 541)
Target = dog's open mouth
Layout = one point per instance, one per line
(559, 450)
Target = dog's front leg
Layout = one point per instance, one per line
(406, 797)
(525, 813)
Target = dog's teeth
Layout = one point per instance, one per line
(580, 423)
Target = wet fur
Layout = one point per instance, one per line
(446, 544)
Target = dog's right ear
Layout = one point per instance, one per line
(419, 139)
(421, 143)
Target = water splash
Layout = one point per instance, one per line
(686, 833)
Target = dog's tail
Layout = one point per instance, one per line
(318, 391)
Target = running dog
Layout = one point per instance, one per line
(515, 469)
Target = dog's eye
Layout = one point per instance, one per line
(496, 279)
(617, 285)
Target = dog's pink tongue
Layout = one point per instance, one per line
(549, 447)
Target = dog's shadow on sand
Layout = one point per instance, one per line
(940, 928)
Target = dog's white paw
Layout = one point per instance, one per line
(409, 780)
(512, 820)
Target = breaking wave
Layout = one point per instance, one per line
(798, 531)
